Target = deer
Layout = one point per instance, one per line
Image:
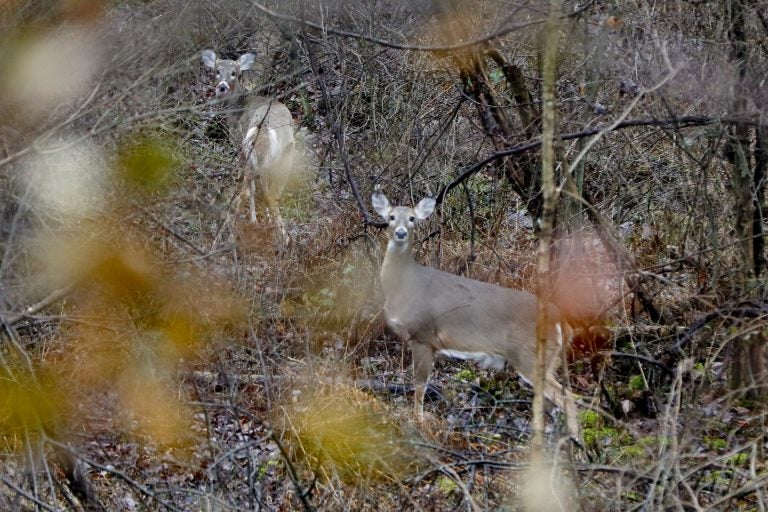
(263, 131)
(442, 314)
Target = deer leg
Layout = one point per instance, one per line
(252, 199)
(564, 399)
(274, 213)
(280, 224)
(236, 204)
(566, 402)
(422, 367)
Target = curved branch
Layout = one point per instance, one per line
(751, 309)
(642, 358)
(677, 122)
(399, 46)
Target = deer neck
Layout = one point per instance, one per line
(397, 268)
(232, 111)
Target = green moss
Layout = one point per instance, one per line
(447, 485)
(715, 443)
(636, 383)
(611, 443)
(597, 436)
(718, 479)
(648, 441)
(589, 419)
(630, 453)
(265, 468)
(466, 375)
(738, 459)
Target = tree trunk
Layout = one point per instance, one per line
(543, 277)
(747, 367)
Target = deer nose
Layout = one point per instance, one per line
(401, 233)
(222, 88)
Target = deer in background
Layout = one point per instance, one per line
(263, 130)
(439, 313)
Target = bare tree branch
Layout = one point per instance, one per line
(53, 297)
(400, 46)
(678, 122)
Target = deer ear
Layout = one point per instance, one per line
(209, 58)
(246, 60)
(380, 204)
(425, 208)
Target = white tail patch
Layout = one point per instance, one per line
(248, 144)
(274, 146)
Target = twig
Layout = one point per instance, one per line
(21, 492)
(645, 359)
(111, 470)
(448, 470)
(54, 296)
(179, 237)
(337, 133)
(294, 477)
(754, 310)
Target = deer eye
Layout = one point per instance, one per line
(218, 73)
(391, 217)
(233, 74)
(411, 218)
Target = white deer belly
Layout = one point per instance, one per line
(483, 359)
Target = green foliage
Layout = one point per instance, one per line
(718, 479)
(597, 436)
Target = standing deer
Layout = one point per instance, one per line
(262, 128)
(444, 314)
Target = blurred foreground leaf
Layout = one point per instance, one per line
(345, 432)
(146, 164)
